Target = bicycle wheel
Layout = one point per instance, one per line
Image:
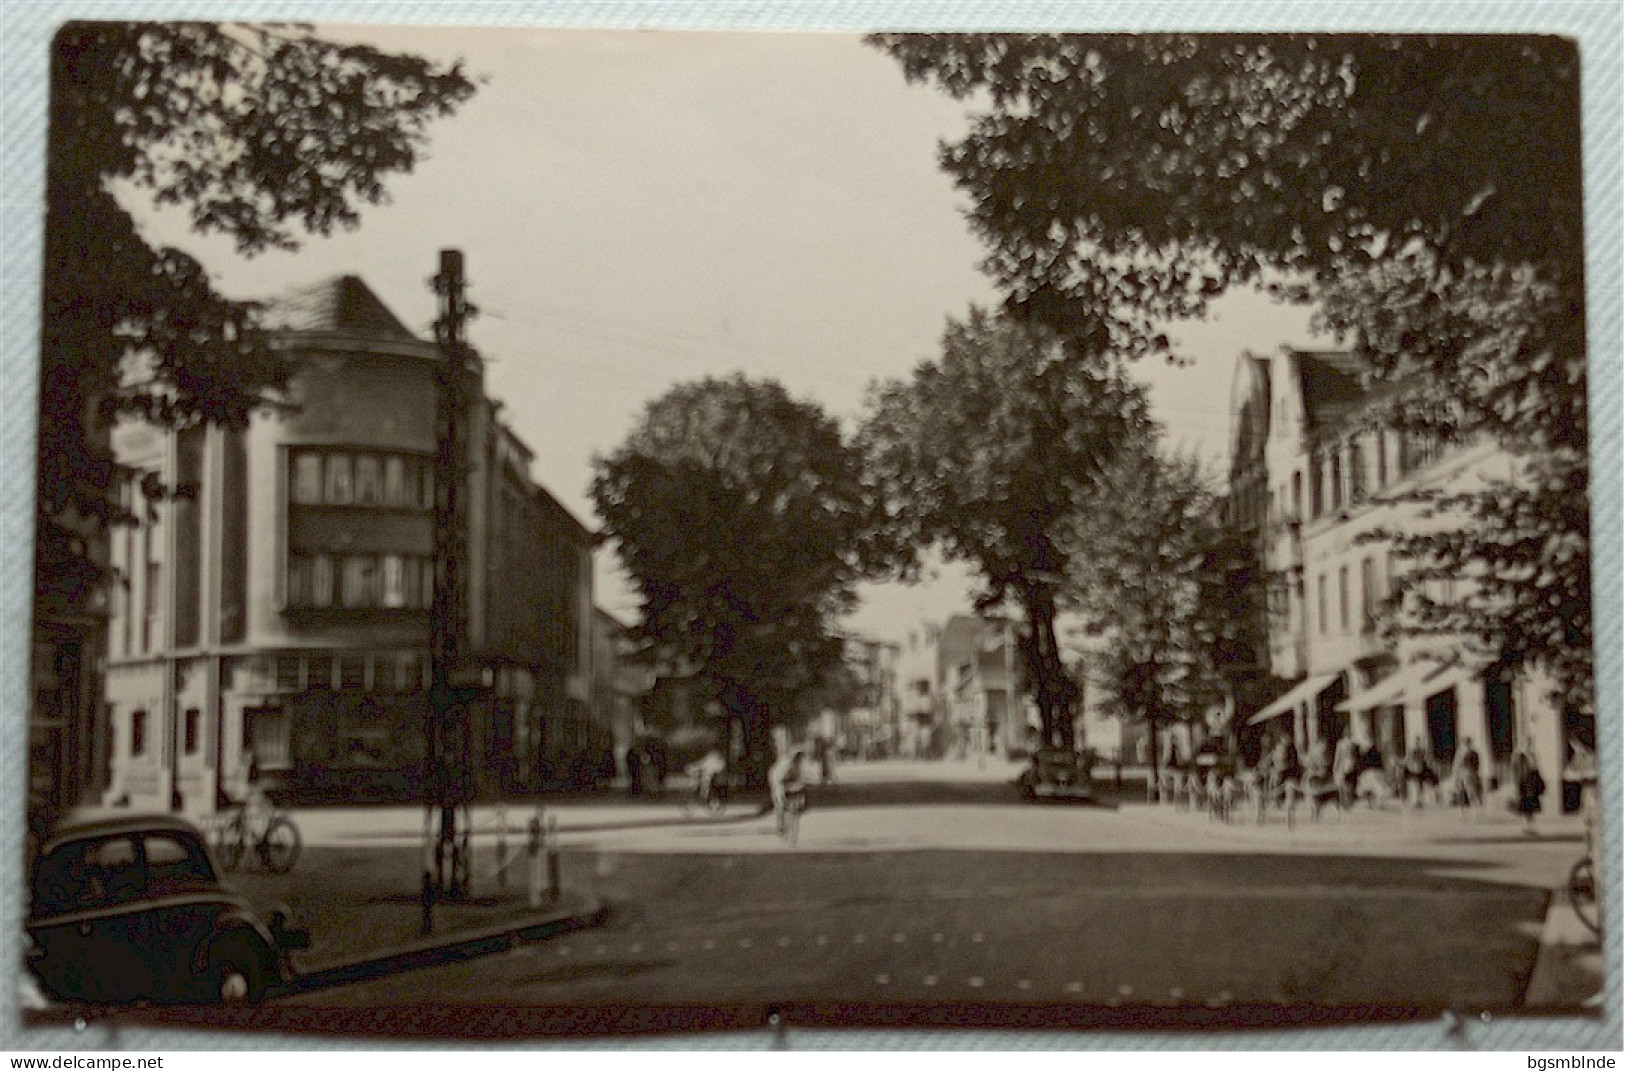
(233, 841)
(279, 847)
(1583, 894)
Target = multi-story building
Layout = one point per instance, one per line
(276, 611)
(1317, 481)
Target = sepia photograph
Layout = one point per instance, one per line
(646, 533)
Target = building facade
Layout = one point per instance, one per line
(275, 612)
(1317, 481)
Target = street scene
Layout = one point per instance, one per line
(980, 530)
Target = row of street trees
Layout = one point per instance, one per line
(746, 518)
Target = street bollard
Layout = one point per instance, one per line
(553, 886)
(535, 849)
(427, 894)
(502, 847)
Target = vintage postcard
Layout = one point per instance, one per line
(554, 532)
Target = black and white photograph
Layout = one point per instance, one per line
(551, 533)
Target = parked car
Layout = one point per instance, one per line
(1055, 772)
(132, 908)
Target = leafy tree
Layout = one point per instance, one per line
(739, 512)
(260, 133)
(1166, 584)
(1425, 192)
(987, 453)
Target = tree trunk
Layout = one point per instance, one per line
(1053, 688)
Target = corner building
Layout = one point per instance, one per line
(1312, 480)
(279, 612)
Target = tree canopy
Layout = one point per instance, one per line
(739, 513)
(1424, 192)
(262, 133)
(987, 453)
(1167, 586)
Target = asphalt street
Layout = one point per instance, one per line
(927, 886)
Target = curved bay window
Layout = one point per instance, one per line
(360, 531)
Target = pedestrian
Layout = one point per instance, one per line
(783, 779)
(1418, 772)
(1468, 789)
(1530, 787)
(634, 769)
(1346, 768)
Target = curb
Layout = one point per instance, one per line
(1560, 978)
(454, 949)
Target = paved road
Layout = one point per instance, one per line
(916, 886)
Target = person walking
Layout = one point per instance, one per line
(1468, 784)
(1346, 768)
(1530, 786)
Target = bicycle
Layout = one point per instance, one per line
(712, 799)
(795, 802)
(272, 835)
(1582, 886)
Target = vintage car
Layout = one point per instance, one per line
(131, 909)
(1058, 773)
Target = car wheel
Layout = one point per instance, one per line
(237, 973)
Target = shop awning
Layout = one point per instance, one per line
(1393, 688)
(1310, 688)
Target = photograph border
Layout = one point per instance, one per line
(25, 33)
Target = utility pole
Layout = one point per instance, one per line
(448, 736)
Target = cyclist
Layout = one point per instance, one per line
(705, 770)
(784, 779)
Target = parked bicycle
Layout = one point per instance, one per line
(269, 832)
(1582, 887)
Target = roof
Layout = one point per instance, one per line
(1333, 386)
(112, 825)
(342, 304)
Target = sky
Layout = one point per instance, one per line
(639, 208)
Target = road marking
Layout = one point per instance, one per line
(937, 937)
(1024, 984)
(671, 946)
(745, 942)
(600, 950)
(898, 938)
(709, 944)
(975, 983)
(784, 942)
(858, 938)
(976, 938)
(635, 949)
(930, 979)
(564, 950)
(1177, 993)
(883, 979)
(1225, 996)
(821, 939)
(1074, 987)
(1125, 990)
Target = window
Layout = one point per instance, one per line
(307, 479)
(1297, 496)
(1317, 490)
(358, 575)
(394, 580)
(369, 482)
(1356, 473)
(191, 721)
(1382, 458)
(1343, 598)
(1336, 479)
(270, 739)
(426, 482)
(287, 673)
(395, 482)
(353, 671)
(1320, 592)
(340, 474)
(319, 671)
(321, 580)
(138, 733)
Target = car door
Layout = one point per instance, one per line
(185, 900)
(91, 926)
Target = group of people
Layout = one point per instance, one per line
(1348, 772)
(786, 778)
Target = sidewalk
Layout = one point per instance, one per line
(364, 911)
